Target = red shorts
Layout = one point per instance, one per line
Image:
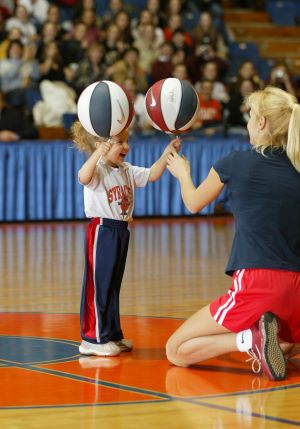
(255, 291)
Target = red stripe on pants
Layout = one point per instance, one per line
(89, 315)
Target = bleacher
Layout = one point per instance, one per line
(265, 36)
(51, 191)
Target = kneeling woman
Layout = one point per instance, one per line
(260, 312)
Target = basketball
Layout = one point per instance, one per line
(171, 105)
(104, 109)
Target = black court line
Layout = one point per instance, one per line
(196, 400)
(163, 397)
(81, 378)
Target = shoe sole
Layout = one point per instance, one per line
(273, 362)
(125, 349)
(89, 352)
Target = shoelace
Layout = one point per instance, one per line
(255, 358)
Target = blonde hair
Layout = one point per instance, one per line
(282, 113)
(83, 140)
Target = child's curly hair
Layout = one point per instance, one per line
(83, 140)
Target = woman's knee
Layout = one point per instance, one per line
(173, 355)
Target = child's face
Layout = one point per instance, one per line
(119, 149)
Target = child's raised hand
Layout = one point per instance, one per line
(178, 165)
(103, 148)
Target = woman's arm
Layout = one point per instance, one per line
(195, 199)
(159, 166)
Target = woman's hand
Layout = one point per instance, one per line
(160, 165)
(178, 165)
(176, 144)
(173, 147)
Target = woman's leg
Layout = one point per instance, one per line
(199, 338)
(290, 349)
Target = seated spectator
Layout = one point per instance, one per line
(31, 70)
(175, 23)
(281, 78)
(180, 71)
(90, 69)
(14, 124)
(148, 46)
(123, 21)
(21, 20)
(15, 74)
(109, 14)
(54, 16)
(247, 71)
(162, 68)
(210, 72)
(49, 33)
(146, 18)
(128, 66)
(205, 54)
(209, 119)
(175, 7)
(81, 6)
(89, 18)
(179, 57)
(158, 16)
(13, 34)
(206, 34)
(51, 66)
(236, 111)
(140, 122)
(37, 10)
(114, 47)
(214, 7)
(74, 44)
(179, 41)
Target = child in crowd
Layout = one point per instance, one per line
(109, 185)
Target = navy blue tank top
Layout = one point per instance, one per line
(264, 195)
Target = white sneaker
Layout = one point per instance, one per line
(107, 349)
(124, 345)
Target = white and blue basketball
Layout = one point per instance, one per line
(172, 105)
(105, 109)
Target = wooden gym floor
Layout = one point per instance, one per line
(174, 267)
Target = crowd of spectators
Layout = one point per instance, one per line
(50, 50)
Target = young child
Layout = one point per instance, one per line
(109, 185)
(264, 187)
